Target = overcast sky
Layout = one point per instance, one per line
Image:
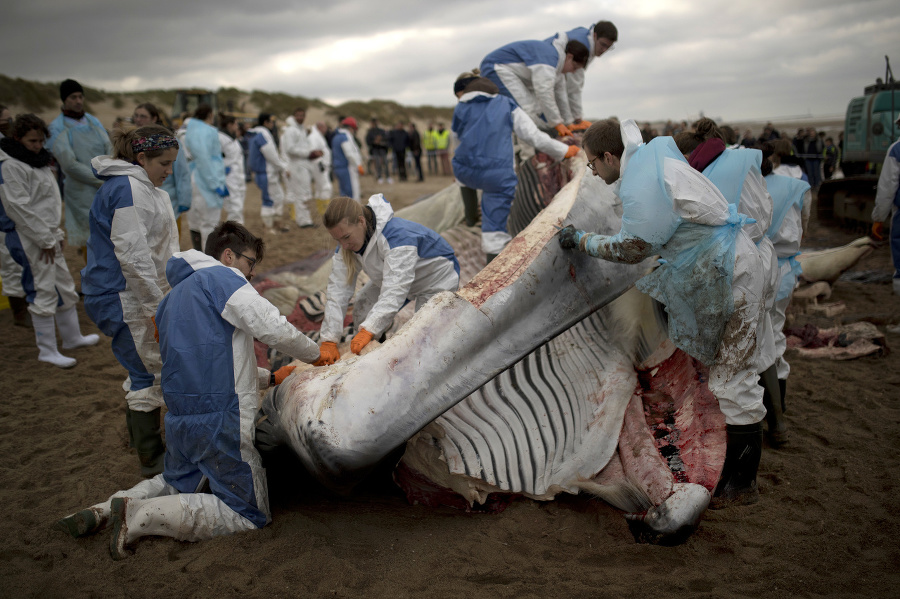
(731, 59)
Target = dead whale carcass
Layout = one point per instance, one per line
(343, 419)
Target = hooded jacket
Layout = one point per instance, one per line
(402, 258)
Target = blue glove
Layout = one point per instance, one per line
(222, 191)
(569, 237)
(227, 170)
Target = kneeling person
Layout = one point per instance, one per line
(210, 381)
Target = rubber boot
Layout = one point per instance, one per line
(321, 206)
(81, 524)
(470, 205)
(132, 519)
(19, 307)
(490, 257)
(148, 441)
(128, 425)
(45, 336)
(737, 485)
(70, 330)
(777, 433)
(782, 384)
(196, 240)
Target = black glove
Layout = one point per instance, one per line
(568, 238)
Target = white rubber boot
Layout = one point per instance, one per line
(45, 336)
(70, 330)
(134, 518)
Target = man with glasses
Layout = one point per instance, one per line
(709, 277)
(599, 39)
(210, 381)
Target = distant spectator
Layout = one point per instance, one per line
(399, 144)
(415, 148)
(830, 158)
(812, 154)
(442, 143)
(748, 140)
(376, 142)
(430, 144)
(346, 158)
(769, 133)
(76, 137)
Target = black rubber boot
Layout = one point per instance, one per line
(19, 307)
(778, 431)
(782, 384)
(148, 441)
(490, 257)
(470, 205)
(128, 425)
(196, 238)
(737, 485)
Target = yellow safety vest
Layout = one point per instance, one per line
(428, 141)
(442, 140)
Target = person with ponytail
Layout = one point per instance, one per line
(133, 235)
(405, 262)
(30, 198)
(484, 122)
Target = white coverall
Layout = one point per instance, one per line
(397, 273)
(321, 166)
(32, 201)
(235, 179)
(295, 150)
(733, 376)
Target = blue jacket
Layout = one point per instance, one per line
(207, 165)
(484, 158)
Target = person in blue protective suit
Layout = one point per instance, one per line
(599, 38)
(207, 324)
(76, 137)
(268, 167)
(31, 203)
(235, 180)
(530, 72)
(133, 234)
(737, 174)
(484, 122)
(346, 159)
(708, 277)
(202, 145)
(792, 200)
(887, 206)
(405, 262)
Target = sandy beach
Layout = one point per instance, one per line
(826, 524)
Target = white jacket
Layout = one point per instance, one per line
(31, 198)
(233, 155)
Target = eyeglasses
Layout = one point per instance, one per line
(252, 261)
(591, 165)
(604, 46)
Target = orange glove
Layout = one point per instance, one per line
(360, 340)
(572, 151)
(361, 170)
(282, 373)
(580, 126)
(878, 231)
(328, 354)
(155, 329)
(563, 130)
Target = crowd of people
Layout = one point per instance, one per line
(726, 216)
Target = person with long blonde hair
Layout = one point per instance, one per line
(405, 262)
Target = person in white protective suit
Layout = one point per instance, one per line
(76, 137)
(320, 167)
(178, 184)
(737, 174)
(792, 200)
(133, 234)
(347, 161)
(207, 324)
(531, 73)
(708, 277)
(30, 198)
(202, 143)
(887, 206)
(599, 38)
(298, 153)
(267, 167)
(235, 177)
(405, 262)
(10, 270)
